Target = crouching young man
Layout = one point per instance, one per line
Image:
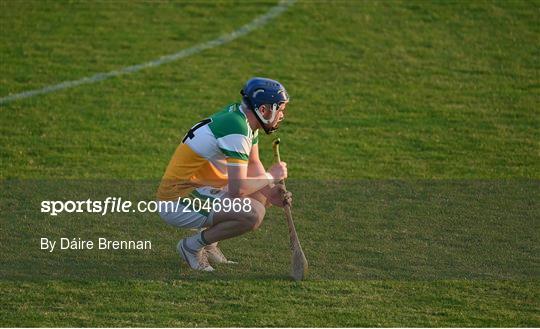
(217, 160)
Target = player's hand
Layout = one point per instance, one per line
(279, 197)
(278, 171)
(287, 198)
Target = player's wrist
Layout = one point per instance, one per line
(271, 179)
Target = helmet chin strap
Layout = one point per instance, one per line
(264, 122)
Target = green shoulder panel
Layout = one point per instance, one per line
(229, 121)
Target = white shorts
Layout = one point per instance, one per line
(182, 216)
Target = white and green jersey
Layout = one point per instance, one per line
(224, 139)
(226, 134)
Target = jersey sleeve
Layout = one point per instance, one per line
(236, 148)
(231, 130)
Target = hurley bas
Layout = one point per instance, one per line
(102, 244)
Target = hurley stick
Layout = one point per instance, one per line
(299, 264)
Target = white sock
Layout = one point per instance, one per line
(195, 242)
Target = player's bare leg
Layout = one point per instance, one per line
(230, 224)
(225, 225)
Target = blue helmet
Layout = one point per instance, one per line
(259, 91)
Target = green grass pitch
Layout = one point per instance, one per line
(412, 141)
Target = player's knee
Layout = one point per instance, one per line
(260, 211)
(254, 218)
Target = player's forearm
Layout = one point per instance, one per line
(255, 169)
(250, 185)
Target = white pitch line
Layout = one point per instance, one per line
(253, 25)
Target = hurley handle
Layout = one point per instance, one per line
(275, 147)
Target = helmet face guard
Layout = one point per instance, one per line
(262, 91)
